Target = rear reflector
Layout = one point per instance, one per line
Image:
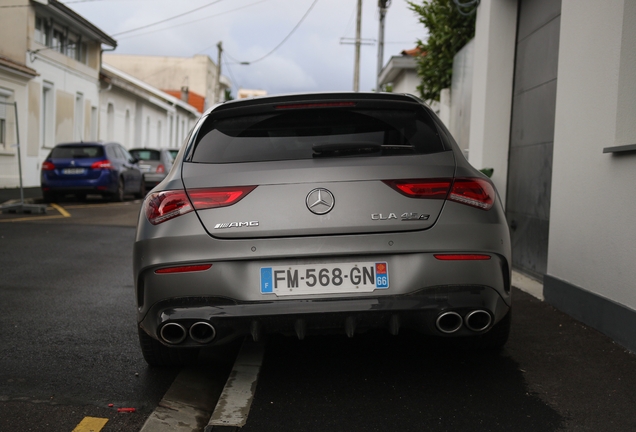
(474, 192)
(184, 269)
(162, 206)
(462, 257)
(316, 105)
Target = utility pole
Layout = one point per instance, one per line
(217, 84)
(356, 68)
(383, 5)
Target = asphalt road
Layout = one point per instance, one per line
(69, 348)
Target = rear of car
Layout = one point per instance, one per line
(90, 168)
(153, 163)
(320, 213)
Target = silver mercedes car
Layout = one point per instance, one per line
(320, 213)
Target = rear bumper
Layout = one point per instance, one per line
(105, 183)
(232, 319)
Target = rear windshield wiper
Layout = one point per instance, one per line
(345, 148)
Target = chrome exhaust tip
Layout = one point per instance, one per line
(478, 320)
(173, 333)
(202, 332)
(449, 322)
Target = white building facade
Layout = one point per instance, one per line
(136, 114)
(197, 74)
(553, 103)
(51, 69)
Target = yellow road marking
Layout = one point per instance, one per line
(61, 210)
(91, 424)
(32, 218)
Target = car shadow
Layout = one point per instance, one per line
(380, 382)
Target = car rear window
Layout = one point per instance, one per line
(77, 152)
(146, 154)
(312, 133)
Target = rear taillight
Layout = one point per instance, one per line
(48, 166)
(162, 206)
(218, 197)
(102, 164)
(474, 192)
(429, 188)
(160, 169)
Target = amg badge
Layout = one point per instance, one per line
(236, 225)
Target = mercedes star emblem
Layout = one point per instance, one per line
(320, 201)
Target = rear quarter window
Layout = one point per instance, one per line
(296, 134)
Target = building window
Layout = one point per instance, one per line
(127, 129)
(79, 117)
(59, 38)
(171, 142)
(83, 53)
(147, 139)
(48, 106)
(58, 42)
(41, 31)
(3, 121)
(94, 123)
(73, 46)
(110, 126)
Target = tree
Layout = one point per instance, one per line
(228, 94)
(449, 29)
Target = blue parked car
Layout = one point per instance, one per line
(85, 168)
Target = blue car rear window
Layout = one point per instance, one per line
(77, 152)
(296, 134)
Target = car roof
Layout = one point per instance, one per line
(316, 97)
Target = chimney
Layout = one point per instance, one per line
(184, 94)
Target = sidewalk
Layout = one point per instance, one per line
(31, 194)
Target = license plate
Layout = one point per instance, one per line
(73, 171)
(340, 278)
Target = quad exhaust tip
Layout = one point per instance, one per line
(173, 333)
(449, 322)
(478, 320)
(202, 332)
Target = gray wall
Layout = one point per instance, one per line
(461, 92)
(532, 133)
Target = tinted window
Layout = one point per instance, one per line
(146, 154)
(77, 152)
(296, 134)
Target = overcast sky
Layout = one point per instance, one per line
(312, 59)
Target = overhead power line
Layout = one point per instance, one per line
(169, 19)
(193, 21)
(281, 43)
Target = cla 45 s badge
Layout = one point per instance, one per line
(403, 216)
